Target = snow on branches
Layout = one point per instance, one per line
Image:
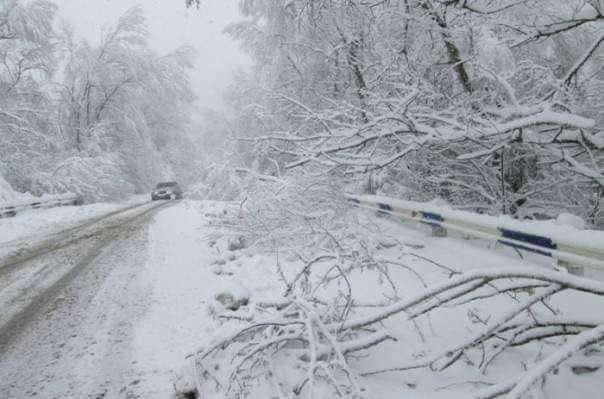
(311, 336)
(488, 106)
(116, 118)
(319, 342)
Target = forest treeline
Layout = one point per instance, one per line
(103, 120)
(495, 106)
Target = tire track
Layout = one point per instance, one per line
(25, 306)
(63, 239)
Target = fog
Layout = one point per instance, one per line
(171, 25)
(353, 199)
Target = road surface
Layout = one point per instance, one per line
(83, 313)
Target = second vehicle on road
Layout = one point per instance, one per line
(166, 191)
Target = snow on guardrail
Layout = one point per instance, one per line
(583, 248)
(10, 209)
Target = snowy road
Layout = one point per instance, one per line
(84, 314)
(112, 308)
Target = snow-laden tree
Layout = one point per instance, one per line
(498, 103)
(27, 61)
(113, 120)
(494, 106)
(124, 107)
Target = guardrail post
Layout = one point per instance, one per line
(575, 270)
(10, 210)
(438, 231)
(577, 254)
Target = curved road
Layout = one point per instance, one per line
(68, 305)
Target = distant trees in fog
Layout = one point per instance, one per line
(101, 120)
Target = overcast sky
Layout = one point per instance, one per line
(172, 25)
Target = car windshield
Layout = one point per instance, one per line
(166, 185)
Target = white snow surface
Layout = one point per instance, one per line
(568, 219)
(126, 324)
(181, 289)
(432, 335)
(177, 286)
(157, 306)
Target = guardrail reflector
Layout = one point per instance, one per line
(532, 239)
(385, 207)
(432, 218)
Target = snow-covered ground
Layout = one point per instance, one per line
(436, 333)
(419, 266)
(144, 299)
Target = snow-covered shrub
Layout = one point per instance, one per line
(94, 178)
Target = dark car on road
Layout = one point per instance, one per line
(166, 191)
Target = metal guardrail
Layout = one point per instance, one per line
(569, 252)
(12, 209)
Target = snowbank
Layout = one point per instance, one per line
(7, 194)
